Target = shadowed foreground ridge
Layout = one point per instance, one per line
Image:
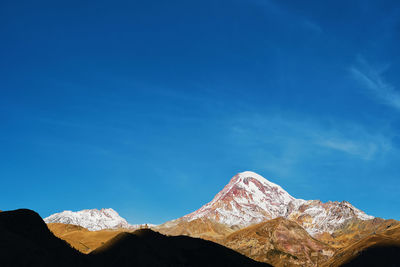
(25, 240)
(154, 249)
(378, 255)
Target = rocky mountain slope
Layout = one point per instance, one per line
(280, 242)
(250, 198)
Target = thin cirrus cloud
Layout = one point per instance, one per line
(284, 142)
(365, 149)
(372, 79)
(312, 26)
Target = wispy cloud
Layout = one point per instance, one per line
(281, 143)
(312, 26)
(281, 13)
(365, 149)
(372, 79)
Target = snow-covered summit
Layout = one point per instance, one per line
(249, 198)
(92, 219)
(246, 174)
(248, 180)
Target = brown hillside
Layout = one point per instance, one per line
(375, 250)
(201, 228)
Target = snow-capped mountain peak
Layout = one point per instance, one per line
(260, 186)
(92, 219)
(249, 198)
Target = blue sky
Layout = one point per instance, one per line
(150, 107)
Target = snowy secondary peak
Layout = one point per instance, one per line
(92, 219)
(249, 198)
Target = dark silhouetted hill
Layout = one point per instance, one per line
(376, 256)
(148, 248)
(25, 240)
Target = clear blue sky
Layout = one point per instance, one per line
(150, 107)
